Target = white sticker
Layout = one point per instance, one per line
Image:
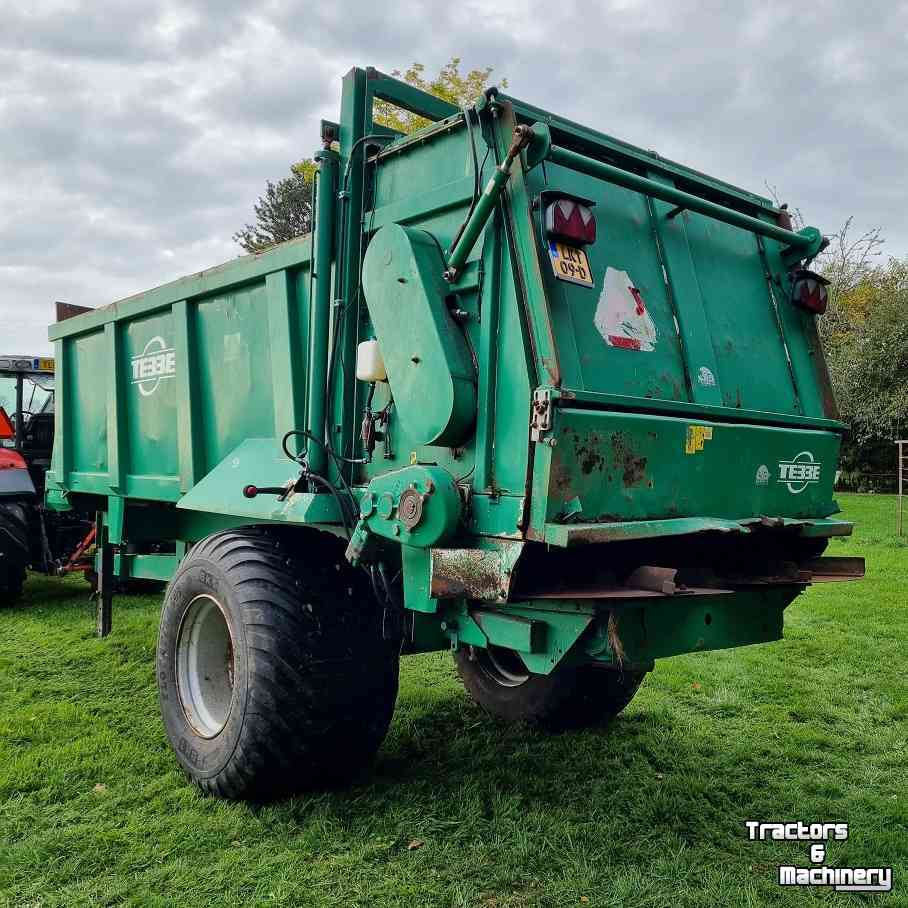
(621, 316)
(762, 475)
(706, 377)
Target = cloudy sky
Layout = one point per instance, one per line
(137, 135)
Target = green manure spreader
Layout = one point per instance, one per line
(526, 393)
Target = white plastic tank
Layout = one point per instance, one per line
(369, 363)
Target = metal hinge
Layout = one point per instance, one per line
(541, 414)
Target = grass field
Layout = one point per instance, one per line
(459, 810)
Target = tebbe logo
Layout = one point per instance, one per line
(799, 472)
(154, 364)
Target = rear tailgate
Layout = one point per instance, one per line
(682, 308)
(608, 469)
(685, 383)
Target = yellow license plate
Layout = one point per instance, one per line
(570, 264)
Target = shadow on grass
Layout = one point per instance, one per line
(74, 591)
(638, 771)
(41, 591)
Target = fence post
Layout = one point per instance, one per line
(902, 472)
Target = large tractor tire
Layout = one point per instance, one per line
(570, 697)
(13, 551)
(272, 672)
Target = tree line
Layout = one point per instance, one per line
(865, 336)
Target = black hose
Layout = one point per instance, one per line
(320, 480)
(476, 176)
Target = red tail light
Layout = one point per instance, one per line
(808, 290)
(571, 221)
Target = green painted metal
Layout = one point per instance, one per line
(807, 241)
(568, 534)
(511, 631)
(425, 354)
(541, 420)
(406, 96)
(418, 506)
(674, 625)
(320, 315)
(145, 567)
(484, 207)
(638, 467)
(260, 462)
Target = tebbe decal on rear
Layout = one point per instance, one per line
(799, 472)
(154, 364)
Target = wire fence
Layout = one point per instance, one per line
(863, 481)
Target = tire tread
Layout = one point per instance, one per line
(307, 642)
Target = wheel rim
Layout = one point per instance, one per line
(503, 666)
(205, 666)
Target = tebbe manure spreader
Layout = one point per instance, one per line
(527, 393)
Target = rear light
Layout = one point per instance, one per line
(783, 218)
(570, 220)
(808, 291)
(7, 430)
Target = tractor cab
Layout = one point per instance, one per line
(27, 411)
(30, 536)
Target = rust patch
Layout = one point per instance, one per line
(633, 467)
(587, 453)
(561, 476)
(474, 573)
(590, 459)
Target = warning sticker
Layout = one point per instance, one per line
(621, 316)
(697, 436)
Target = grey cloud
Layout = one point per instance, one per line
(135, 137)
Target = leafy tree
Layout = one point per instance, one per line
(866, 341)
(865, 337)
(450, 84)
(285, 210)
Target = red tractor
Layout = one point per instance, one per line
(30, 536)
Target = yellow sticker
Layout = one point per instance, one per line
(413, 458)
(46, 365)
(697, 436)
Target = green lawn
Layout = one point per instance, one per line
(459, 810)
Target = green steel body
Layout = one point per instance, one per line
(520, 434)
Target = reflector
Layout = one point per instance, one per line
(808, 291)
(569, 220)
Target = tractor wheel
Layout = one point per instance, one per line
(570, 697)
(13, 551)
(273, 675)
